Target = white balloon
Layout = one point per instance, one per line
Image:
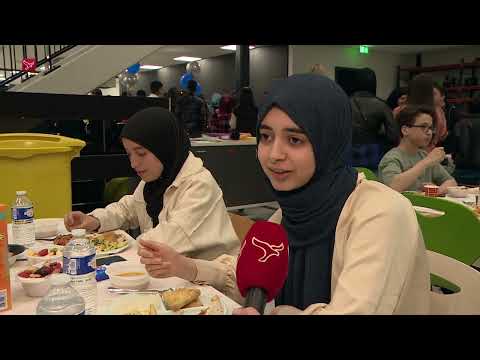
(193, 67)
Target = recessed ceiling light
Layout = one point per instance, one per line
(150, 67)
(187, 58)
(234, 47)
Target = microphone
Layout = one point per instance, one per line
(262, 265)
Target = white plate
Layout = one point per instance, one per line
(100, 254)
(125, 303)
(429, 211)
(129, 239)
(205, 298)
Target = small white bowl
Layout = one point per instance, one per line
(137, 282)
(33, 260)
(457, 191)
(35, 287)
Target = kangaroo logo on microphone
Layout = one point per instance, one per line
(269, 250)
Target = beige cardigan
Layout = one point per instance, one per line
(379, 262)
(194, 219)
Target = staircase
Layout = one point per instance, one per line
(77, 69)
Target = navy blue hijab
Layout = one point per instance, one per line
(310, 213)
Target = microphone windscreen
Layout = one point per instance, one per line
(263, 259)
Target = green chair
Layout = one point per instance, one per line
(369, 174)
(455, 234)
(115, 189)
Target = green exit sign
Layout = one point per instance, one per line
(363, 49)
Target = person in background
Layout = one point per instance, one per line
(319, 69)
(96, 92)
(190, 111)
(398, 97)
(441, 132)
(141, 93)
(245, 114)
(422, 92)
(178, 202)
(374, 130)
(467, 134)
(346, 256)
(156, 89)
(214, 102)
(452, 116)
(409, 166)
(172, 95)
(220, 119)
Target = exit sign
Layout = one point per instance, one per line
(363, 49)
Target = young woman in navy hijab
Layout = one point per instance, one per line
(354, 245)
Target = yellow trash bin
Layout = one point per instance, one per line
(41, 165)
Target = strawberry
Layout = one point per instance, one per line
(43, 252)
(25, 274)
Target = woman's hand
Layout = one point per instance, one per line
(245, 311)
(79, 220)
(279, 310)
(286, 310)
(163, 261)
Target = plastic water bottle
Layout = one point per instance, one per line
(23, 226)
(61, 299)
(79, 261)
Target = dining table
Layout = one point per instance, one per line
(468, 201)
(22, 304)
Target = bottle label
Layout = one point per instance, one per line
(22, 214)
(80, 266)
(3, 300)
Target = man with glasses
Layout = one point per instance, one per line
(409, 166)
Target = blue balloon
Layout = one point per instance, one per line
(198, 90)
(135, 68)
(185, 79)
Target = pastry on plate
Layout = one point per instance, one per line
(178, 298)
(215, 307)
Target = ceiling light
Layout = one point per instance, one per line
(187, 58)
(150, 67)
(234, 47)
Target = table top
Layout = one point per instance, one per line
(25, 305)
(206, 140)
(468, 202)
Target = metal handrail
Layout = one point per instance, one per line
(49, 56)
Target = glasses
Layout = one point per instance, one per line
(425, 128)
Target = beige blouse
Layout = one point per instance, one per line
(379, 262)
(194, 219)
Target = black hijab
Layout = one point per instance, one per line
(310, 214)
(157, 130)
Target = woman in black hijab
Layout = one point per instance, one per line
(354, 245)
(178, 202)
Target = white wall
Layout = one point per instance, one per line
(303, 57)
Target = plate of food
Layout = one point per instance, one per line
(134, 304)
(179, 301)
(193, 301)
(107, 243)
